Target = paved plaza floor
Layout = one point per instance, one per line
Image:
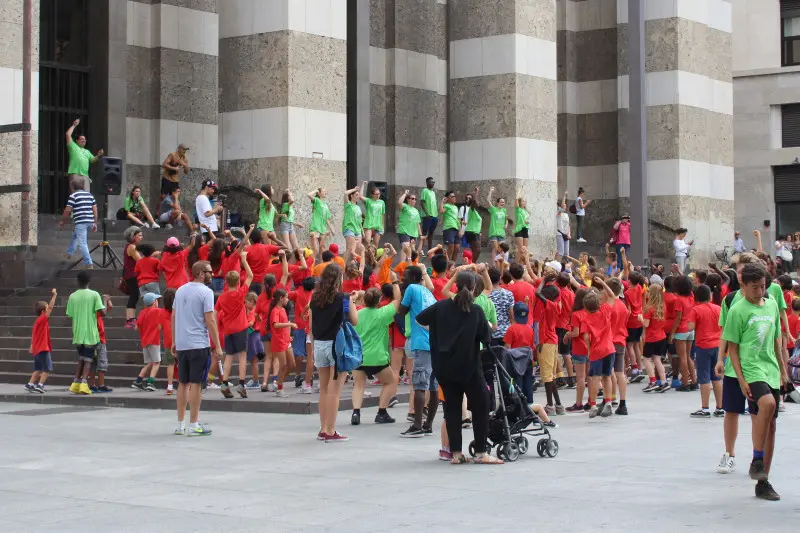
(85, 469)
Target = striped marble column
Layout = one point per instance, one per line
(172, 91)
(503, 105)
(689, 95)
(587, 109)
(409, 94)
(283, 97)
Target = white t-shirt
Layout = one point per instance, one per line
(562, 223)
(579, 211)
(681, 248)
(202, 205)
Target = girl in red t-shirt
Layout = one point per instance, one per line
(173, 263)
(280, 327)
(580, 352)
(654, 319)
(680, 334)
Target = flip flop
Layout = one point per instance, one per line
(460, 460)
(487, 460)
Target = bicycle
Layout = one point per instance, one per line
(724, 256)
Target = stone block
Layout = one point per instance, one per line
(317, 72)
(706, 136)
(188, 68)
(253, 72)
(587, 55)
(11, 45)
(382, 121)
(415, 26)
(589, 140)
(377, 22)
(198, 5)
(536, 106)
(536, 18)
(415, 118)
(483, 107)
(482, 18)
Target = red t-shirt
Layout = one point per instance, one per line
(231, 305)
(258, 256)
(301, 298)
(635, 299)
(147, 323)
(519, 336)
(166, 327)
(146, 270)
(601, 341)
(230, 263)
(276, 269)
(351, 285)
(40, 338)
(202, 253)
(683, 304)
(794, 328)
(262, 308)
(547, 327)
(657, 330)
(298, 274)
(521, 290)
(567, 302)
(619, 322)
(101, 328)
(788, 297)
(438, 285)
(281, 337)
(706, 325)
(174, 268)
(578, 344)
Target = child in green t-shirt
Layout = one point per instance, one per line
(752, 331)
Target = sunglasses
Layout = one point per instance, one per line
(413, 198)
(208, 272)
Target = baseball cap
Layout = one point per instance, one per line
(467, 254)
(307, 252)
(521, 313)
(173, 241)
(183, 147)
(149, 298)
(334, 248)
(555, 265)
(379, 253)
(208, 183)
(655, 279)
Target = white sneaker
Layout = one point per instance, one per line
(213, 385)
(367, 394)
(581, 240)
(281, 394)
(315, 389)
(168, 226)
(146, 225)
(155, 226)
(305, 389)
(726, 464)
(271, 387)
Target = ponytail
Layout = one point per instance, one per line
(465, 281)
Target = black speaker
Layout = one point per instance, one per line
(112, 175)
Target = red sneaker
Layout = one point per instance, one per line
(336, 437)
(321, 436)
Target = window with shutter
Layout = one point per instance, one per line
(790, 125)
(787, 198)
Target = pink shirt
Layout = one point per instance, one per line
(624, 233)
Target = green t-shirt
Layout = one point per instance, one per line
(520, 219)
(428, 201)
(776, 293)
(723, 316)
(373, 328)
(755, 328)
(409, 221)
(474, 221)
(488, 307)
(352, 218)
(82, 308)
(497, 221)
(266, 215)
(450, 217)
(375, 211)
(319, 216)
(79, 159)
(288, 210)
(132, 206)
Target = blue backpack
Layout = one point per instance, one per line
(347, 349)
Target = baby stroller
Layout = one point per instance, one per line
(513, 420)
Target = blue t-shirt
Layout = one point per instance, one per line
(192, 302)
(417, 298)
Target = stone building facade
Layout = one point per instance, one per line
(528, 96)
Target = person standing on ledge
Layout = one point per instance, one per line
(172, 165)
(580, 211)
(430, 217)
(738, 243)
(79, 159)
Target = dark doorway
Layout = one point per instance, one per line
(63, 93)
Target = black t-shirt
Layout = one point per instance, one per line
(455, 339)
(326, 321)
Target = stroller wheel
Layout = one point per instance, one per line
(541, 446)
(552, 448)
(472, 449)
(501, 452)
(522, 444)
(512, 452)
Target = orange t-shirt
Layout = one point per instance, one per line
(319, 268)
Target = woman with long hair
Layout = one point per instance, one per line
(271, 367)
(654, 319)
(521, 216)
(448, 211)
(563, 231)
(216, 250)
(474, 223)
(375, 219)
(329, 308)
(136, 210)
(408, 223)
(457, 328)
(498, 221)
(267, 213)
(321, 225)
(133, 236)
(680, 333)
(287, 224)
(352, 227)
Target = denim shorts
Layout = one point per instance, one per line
(217, 284)
(579, 359)
(422, 377)
(299, 343)
(323, 354)
(451, 236)
(100, 362)
(375, 231)
(705, 362)
(285, 227)
(602, 367)
(349, 233)
(152, 287)
(497, 238)
(687, 336)
(42, 362)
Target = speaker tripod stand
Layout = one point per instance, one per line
(110, 257)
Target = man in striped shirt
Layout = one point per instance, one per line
(82, 206)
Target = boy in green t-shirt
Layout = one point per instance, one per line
(752, 331)
(83, 307)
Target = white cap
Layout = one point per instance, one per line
(555, 265)
(655, 279)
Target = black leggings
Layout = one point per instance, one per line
(477, 399)
(133, 292)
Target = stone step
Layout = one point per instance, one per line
(112, 333)
(68, 355)
(118, 300)
(58, 319)
(23, 343)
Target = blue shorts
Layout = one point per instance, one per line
(255, 348)
(497, 238)
(686, 336)
(602, 367)
(429, 225)
(536, 333)
(705, 361)
(349, 233)
(580, 359)
(299, 343)
(403, 238)
(450, 236)
(374, 231)
(323, 354)
(422, 377)
(217, 284)
(733, 401)
(42, 362)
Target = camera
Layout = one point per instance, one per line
(222, 198)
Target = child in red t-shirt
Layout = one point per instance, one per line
(231, 305)
(148, 324)
(580, 352)
(301, 341)
(278, 324)
(634, 300)
(598, 337)
(619, 335)
(704, 321)
(173, 263)
(794, 326)
(519, 334)
(146, 269)
(548, 297)
(680, 334)
(99, 366)
(41, 347)
(255, 349)
(655, 320)
(166, 330)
